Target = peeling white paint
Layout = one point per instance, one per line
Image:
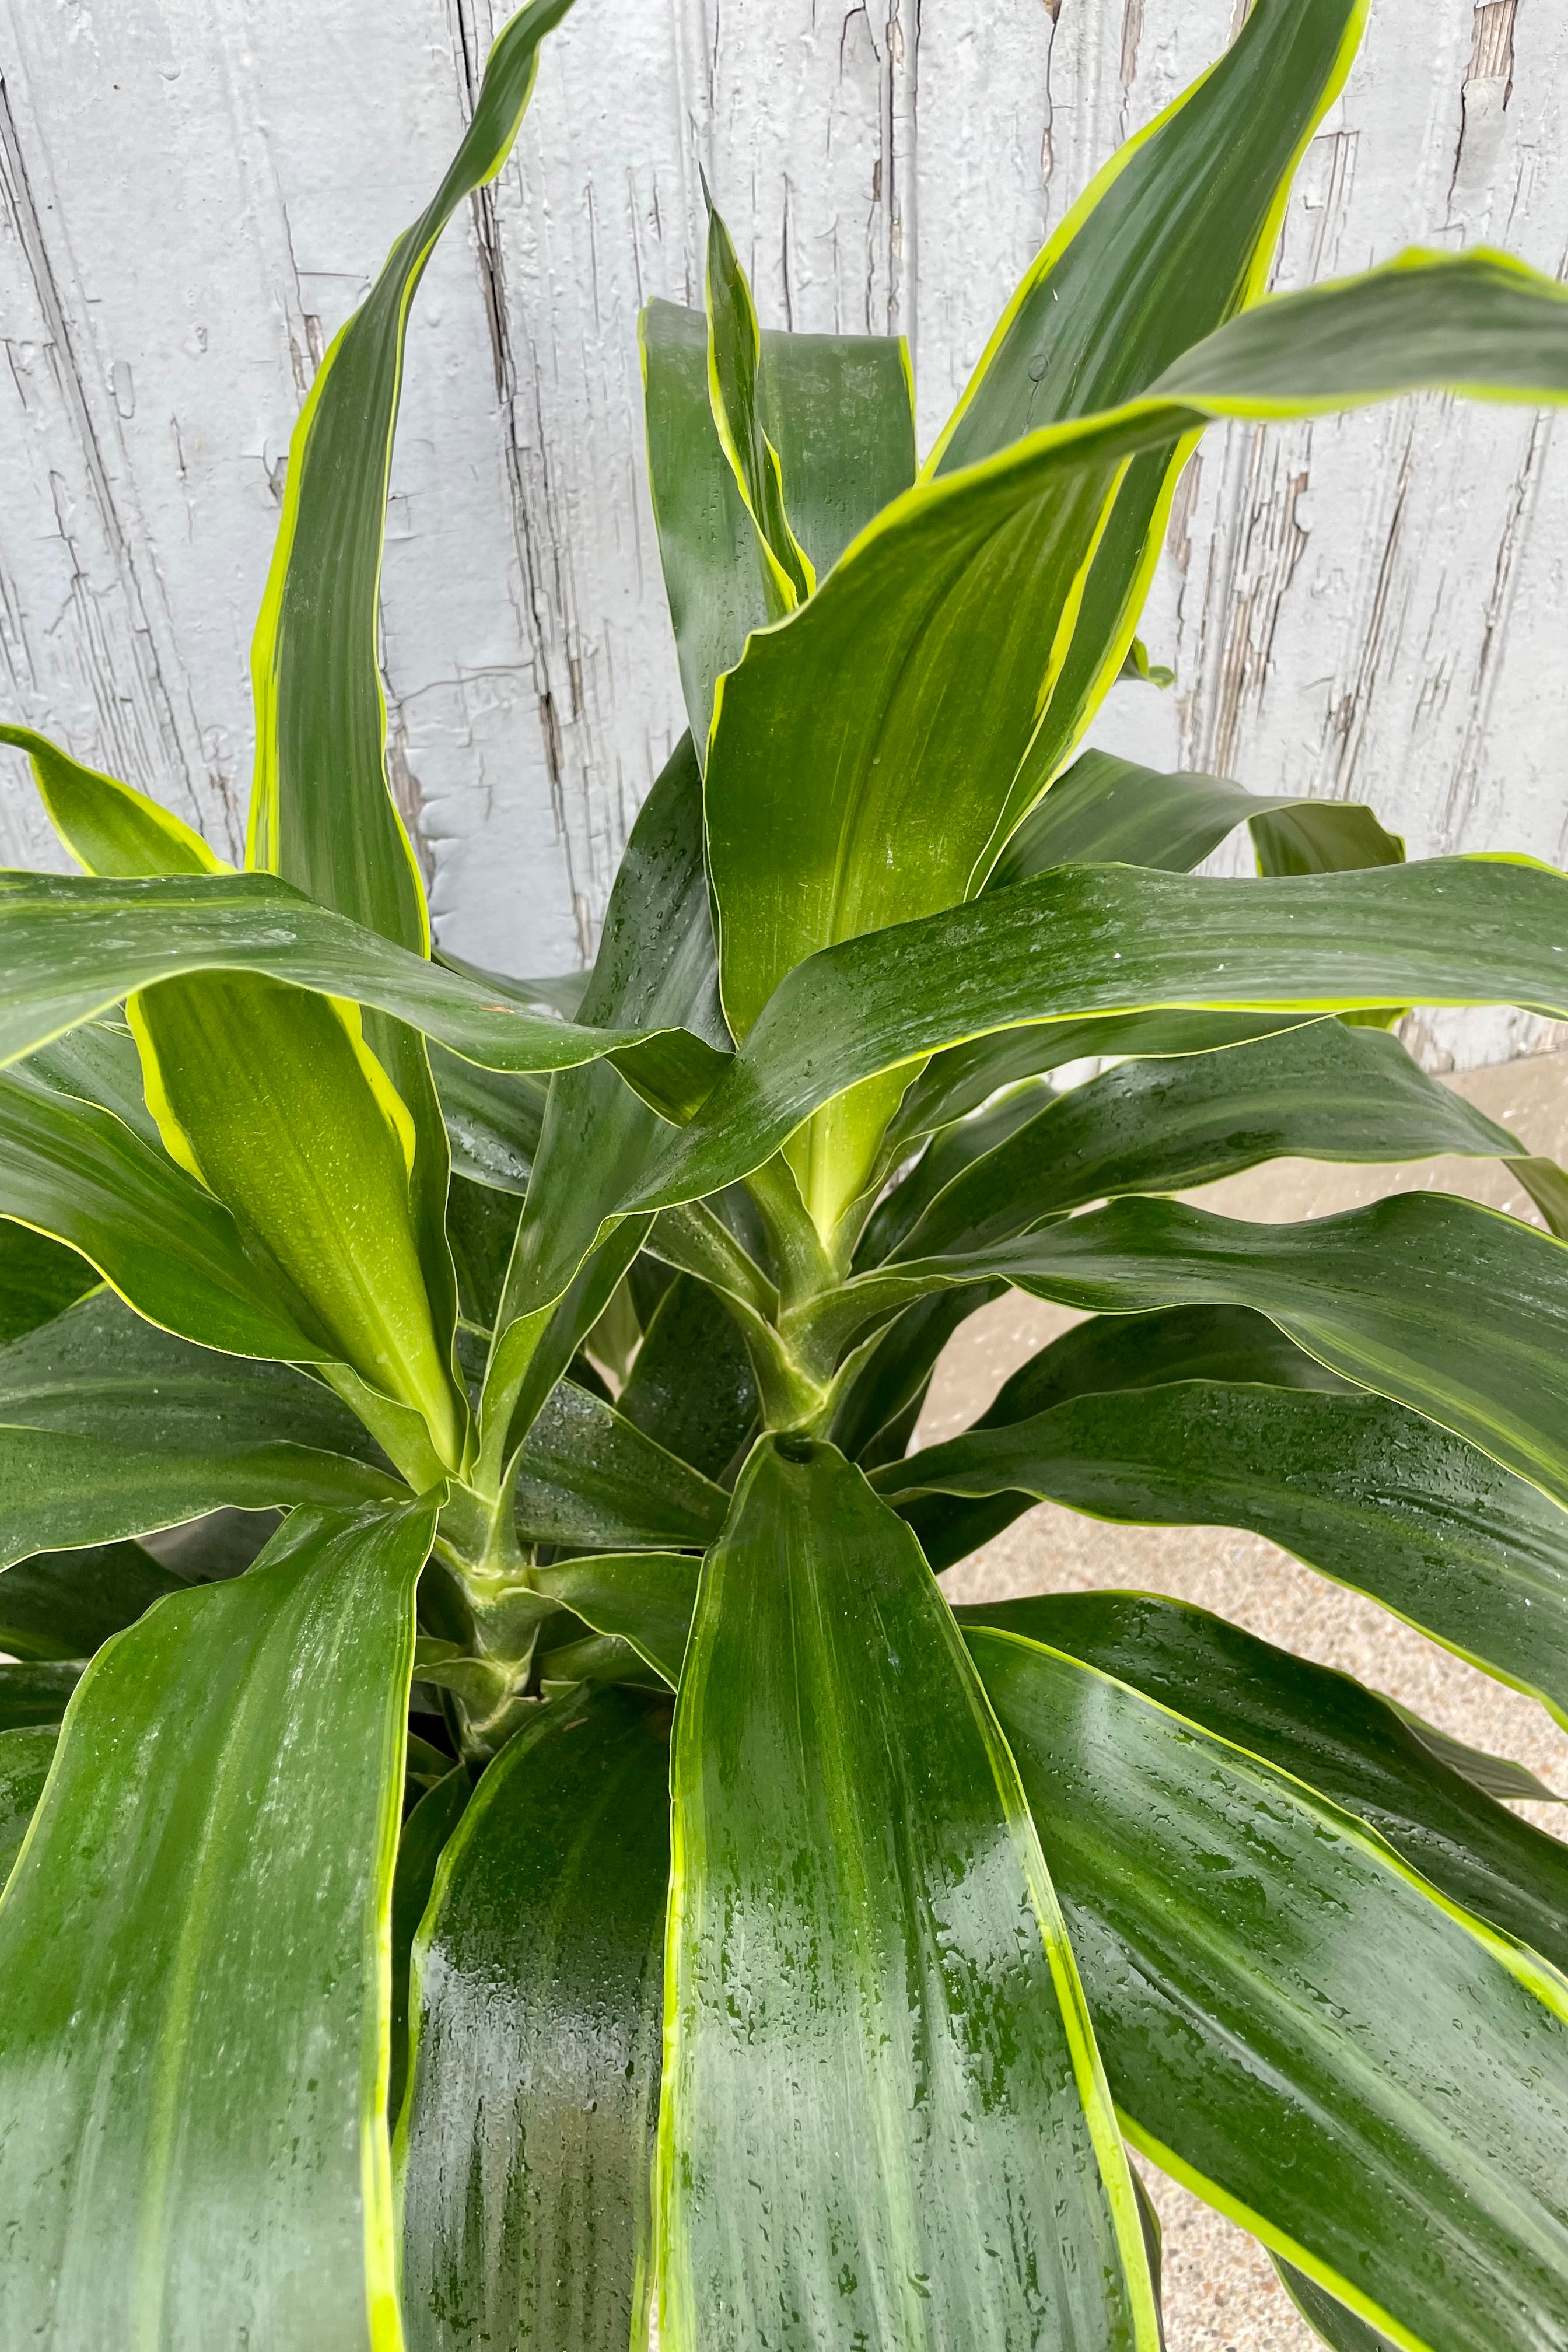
(193, 192)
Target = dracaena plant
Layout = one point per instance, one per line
(386, 1957)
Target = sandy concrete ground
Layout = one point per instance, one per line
(1220, 2293)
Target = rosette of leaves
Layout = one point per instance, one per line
(578, 1867)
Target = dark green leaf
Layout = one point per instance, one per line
(655, 964)
(835, 407)
(1343, 1741)
(692, 1388)
(1343, 2329)
(34, 1694)
(161, 1238)
(110, 1428)
(193, 2044)
(493, 1120)
(525, 2145)
(66, 1604)
(1297, 2025)
(588, 1478)
(75, 946)
(862, 1931)
(1320, 1092)
(1373, 1494)
(1111, 811)
(643, 1598)
(426, 1834)
(866, 755)
(25, 1760)
(38, 1280)
(1086, 940)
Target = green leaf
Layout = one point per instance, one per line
(1294, 2023)
(691, 1389)
(74, 946)
(109, 827)
(34, 1693)
(481, 1226)
(524, 2149)
(1345, 1742)
(643, 1598)
(1495, 1776)
(734, 355)
(493, 1119)
(588, 1478)
(1088, 940)
(322, 813)
(1175, 231)
(1320, 1092)
(66, 1604)
(858, 775)
(111, 1428)
(1447, 1307)
(192, 2054)
(862, 1934)
(272, 1099)
(1114, 1352)
(63, 1490)
(426, 1834)
(321, 810)
(171, 1250)
(1109, 810)
(268, 1096)
(656, 965)
(964, 1079)
(38, 1280)
(1338, 2326)
(875, 1417)
(25, 1759)
(838, 411)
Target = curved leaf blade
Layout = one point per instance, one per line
(1323, 1727)
(1109, 810)
(861, 1929)
(1318, 1092)
(586, 1476)
(1297, 2025)
(524, 2149)
(66, 1604)
(25, 1759)
(195, 1937)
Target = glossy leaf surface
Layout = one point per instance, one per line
(643, 1598)
(1318, 1092)
(862, 1931)
(25, 1759)
(75, 945)
(1452, 1309)
(176, 1254)
(194, 1941)
(1088, 940)
(1344, 1741)
(691, 1389)
(110, 1428)
(1295, 2023)
(526, 2146)
(34, 1694)
(1373, 1494)
(66, 1604)
(655, 966)
(38, 1280)
(587, 1476)
(1107, 811)
(837, 409)
(863, 753)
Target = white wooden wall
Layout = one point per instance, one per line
(194, 193)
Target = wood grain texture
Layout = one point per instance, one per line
(192, 194)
